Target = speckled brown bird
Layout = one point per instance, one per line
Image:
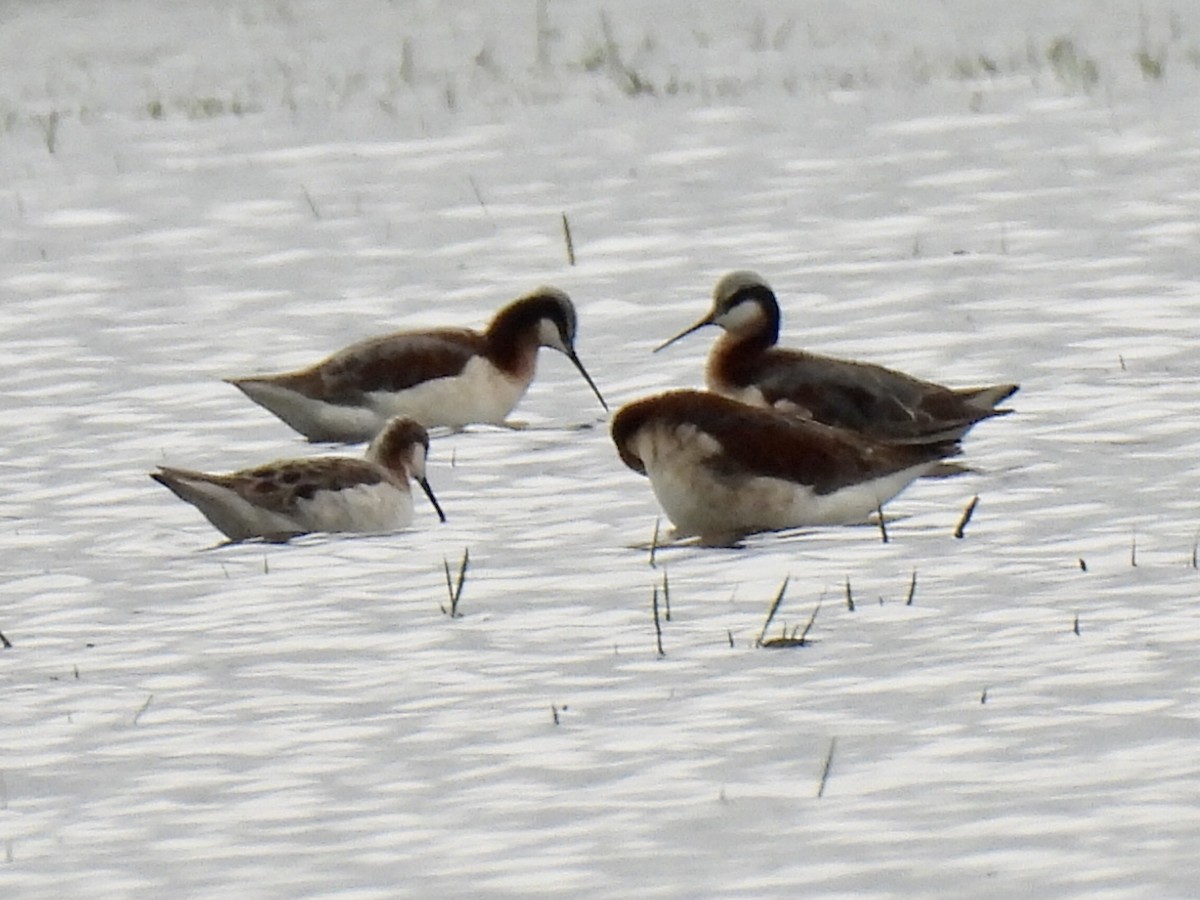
(289, 497)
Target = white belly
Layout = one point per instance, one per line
(370, 509)
(367, 508)
(700, 501)
(480, 393)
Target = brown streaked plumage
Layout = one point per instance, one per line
(875, 401)
(288, 497)
(439, 377)
(721, 468)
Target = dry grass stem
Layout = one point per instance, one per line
(455, 589)
(959, 529)
(774, 608)
(657, 623)
(570, 243)
(811, 620)
(797, 637)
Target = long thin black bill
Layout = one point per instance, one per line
(707, 320)
(588, 378)
(432, 499)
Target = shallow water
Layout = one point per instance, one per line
(304, 719)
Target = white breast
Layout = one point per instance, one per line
(750, 395)
(480, 393)
(701, 500)
(366, 508)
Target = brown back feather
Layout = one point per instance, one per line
(872, 400)
(756, 441)
(392, 362)
(279, 486)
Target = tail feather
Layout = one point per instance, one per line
(185, 484)
(218, 502)
(988, 397)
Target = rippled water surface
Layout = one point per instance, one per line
(278, 720)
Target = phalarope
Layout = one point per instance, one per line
(880, 403)
(289, 497)
(440, 377)
(721, 468)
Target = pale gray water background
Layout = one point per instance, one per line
(273, 721)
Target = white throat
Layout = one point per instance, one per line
(549, 336)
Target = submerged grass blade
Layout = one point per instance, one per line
(827, 767)
(312, 206)
(145, 706)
